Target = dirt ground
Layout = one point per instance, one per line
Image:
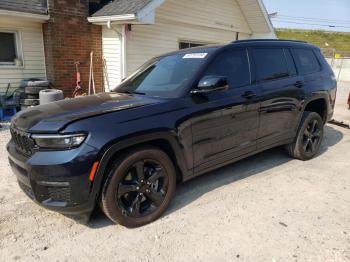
(265, 208)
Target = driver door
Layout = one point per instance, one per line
(226, 122)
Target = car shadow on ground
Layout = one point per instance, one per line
(188, 192)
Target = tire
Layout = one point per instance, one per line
(30, 102)
(25, 107)
(38, 83)
(32, 97)
(309, 137)
(135, 198)
(34, 90)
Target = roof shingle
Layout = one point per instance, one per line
(26, 6)
(121, 7)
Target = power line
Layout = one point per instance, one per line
(304, 23)
(313, 19)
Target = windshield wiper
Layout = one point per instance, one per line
(133, 93)
(138, 93)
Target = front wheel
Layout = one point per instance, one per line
(139, 187)
(309, 137)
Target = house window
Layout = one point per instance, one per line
(187, 44)
(9, 48)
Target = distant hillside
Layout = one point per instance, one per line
(338, 41)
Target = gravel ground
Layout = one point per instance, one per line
(265, 208)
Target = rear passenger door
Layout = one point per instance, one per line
(282, 94)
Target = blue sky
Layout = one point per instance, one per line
(311, 14)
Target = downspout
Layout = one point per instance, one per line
(123, 58)
(124, 52)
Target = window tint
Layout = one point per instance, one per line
(290, 62)
(164, 76)
(306, 61)
(232, 64)
(7, 47)
(270, 63)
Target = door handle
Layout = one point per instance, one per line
(249, 95)
(299, 84)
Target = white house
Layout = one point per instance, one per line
(45, 38)
(21, 41)
(137, 30)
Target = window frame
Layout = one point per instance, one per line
(292, 49)
(293, 63)
(18, 49)
(192, 42)
(254, 64)
(212, 61)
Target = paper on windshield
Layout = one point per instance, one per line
(195, 56)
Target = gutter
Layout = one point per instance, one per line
(113, 18)
(25, 15)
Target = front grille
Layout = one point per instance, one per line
(60, 194)
(24, 143)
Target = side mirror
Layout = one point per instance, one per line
(209, 84)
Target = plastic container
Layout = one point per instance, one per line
(50, 95)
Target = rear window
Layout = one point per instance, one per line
(306, 61)
(270, 63)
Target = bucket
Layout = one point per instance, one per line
(50, 95)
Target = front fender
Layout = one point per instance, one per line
(109, 152)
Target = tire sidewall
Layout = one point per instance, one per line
(109, 199)
(308, 117)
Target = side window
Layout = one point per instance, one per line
(270, 63)
(8, 48)
(306, 61)
(187, 44)
(232, 64)
(290, 62)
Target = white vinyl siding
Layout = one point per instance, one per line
(220, 14)
(32, 50)
(214, 22)
(111, 46)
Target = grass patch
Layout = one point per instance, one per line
(335, 40)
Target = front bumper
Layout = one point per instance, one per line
(57, 180)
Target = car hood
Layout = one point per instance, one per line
(54, 116)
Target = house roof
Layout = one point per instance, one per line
(122, 7)
(26, 6)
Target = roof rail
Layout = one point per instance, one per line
(267, 40)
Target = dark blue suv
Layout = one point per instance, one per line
(179, 116)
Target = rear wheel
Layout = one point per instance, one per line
(309, 137)
(139, 187)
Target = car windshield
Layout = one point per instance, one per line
(165, 76)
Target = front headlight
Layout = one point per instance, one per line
(60, 142)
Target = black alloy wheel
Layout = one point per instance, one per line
(312, 137)
(143, 188)
(309, 137)
(139, 187)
